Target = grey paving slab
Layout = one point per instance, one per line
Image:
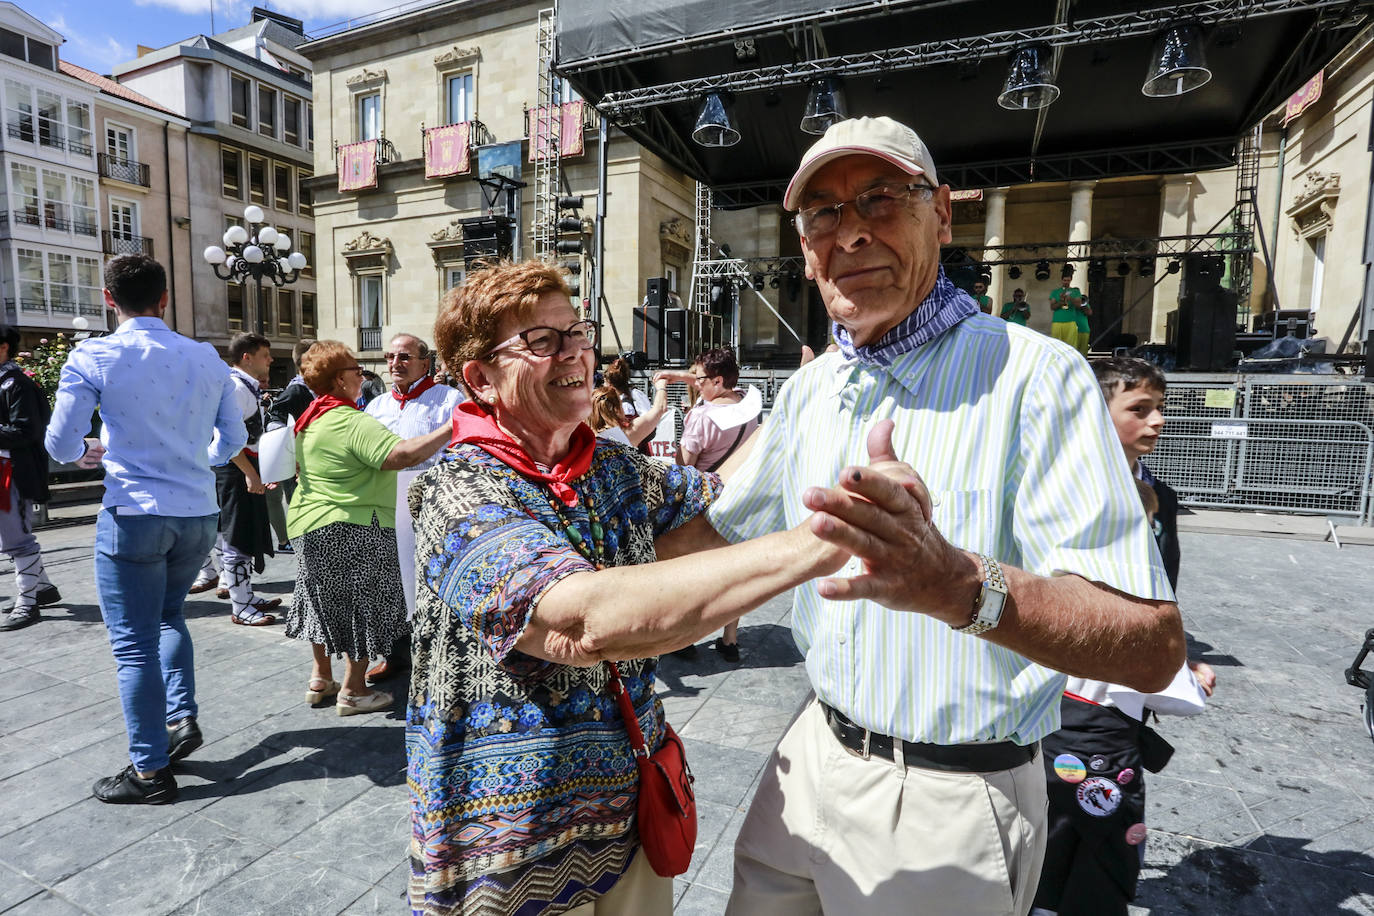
(15, 888)
(45, 904)
(281, 884)
(386, 898)
(34, 794)
(160, 872)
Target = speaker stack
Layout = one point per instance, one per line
(1205, 326)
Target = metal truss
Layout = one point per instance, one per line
(747, 268)
(547, 165)
(1161, 246)
(1199, 156)
(1130, 24)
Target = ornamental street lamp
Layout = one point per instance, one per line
(260, 256)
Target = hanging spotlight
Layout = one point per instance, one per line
(824, 105)
(1014, 272)
(1042, 269)
(1122, 269)
(1029, 85)
(774, 281)
(1146, 267)
(713, 126)
(1177, 64)
(756, 281)
(1097, 269)
(1173, 267)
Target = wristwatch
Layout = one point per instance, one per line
(991, 601)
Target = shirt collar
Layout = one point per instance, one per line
(944, 307)
(412, 385)
(142, 323)
(252, 382)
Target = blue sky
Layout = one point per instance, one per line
(102, 33)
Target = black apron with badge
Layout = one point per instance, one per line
(243, 517)
(1095, 766)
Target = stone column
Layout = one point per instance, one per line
(1080, 226)
(994, 233)
(1175, 218)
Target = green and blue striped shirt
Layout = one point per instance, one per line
(1009, 431)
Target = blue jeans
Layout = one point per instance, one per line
(144, 565)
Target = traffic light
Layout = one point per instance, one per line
(569, 239)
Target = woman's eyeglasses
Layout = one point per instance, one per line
(873, 205)
(542, 341)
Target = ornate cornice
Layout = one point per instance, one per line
(367, 252)
(367, 76)
(446, 244)
(1314, 205)
(457, 56)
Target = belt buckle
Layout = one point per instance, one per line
(863, 752)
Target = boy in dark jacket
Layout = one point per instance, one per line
(24, 417)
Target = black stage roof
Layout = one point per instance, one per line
(939, 66)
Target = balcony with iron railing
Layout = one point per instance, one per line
(20, 130)
(29, 217)
(123, 243)
(128, 171)
(369, 339)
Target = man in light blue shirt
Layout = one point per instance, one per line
(913, 780)
(162, 399)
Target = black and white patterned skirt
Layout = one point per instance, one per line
(348, 594)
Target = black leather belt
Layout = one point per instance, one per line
(954, 758)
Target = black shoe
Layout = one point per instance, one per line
(18, 618)
(183, 738)
(284, 547)
(128, 788)
(48, 595)
(728, 650)
(686, 653)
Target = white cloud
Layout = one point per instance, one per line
(231, 14)
(94, 52)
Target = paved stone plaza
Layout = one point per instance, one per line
(1267, 807)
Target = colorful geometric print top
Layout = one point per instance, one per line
(523, 783)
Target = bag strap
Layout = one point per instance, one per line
(627, 712)
(731, 450)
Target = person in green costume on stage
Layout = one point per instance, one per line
(1017, 311)
(1067, 307)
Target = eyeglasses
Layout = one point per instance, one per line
(357, 369)
(398, 357)
(874, 205)
(542, 341)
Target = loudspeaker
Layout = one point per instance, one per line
(1206, 330)
(656, 292)
(1201, 272)
(1369, 357)
(648, 333)
(676, 339)
(486, 238)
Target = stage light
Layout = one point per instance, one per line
(1177, 64)
(1042, 269)
(1146, 267)
(1029, 85)
(713, 126)
(1173, 267)
(824, 106)
(1014, 272)
(1122, 269)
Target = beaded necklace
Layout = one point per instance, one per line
(595, 553)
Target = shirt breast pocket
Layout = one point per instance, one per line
(965, 518)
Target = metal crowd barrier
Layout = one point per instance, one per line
(1291, 444)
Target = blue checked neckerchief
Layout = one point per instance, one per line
(946, 306)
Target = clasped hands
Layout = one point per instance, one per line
(881, 514)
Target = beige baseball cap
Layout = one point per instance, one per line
(881, 137)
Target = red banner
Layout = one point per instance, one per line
(446, 150)
(1301, 100)
(539, 124)
(358, 166)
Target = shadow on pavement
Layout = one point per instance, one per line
(762, 646)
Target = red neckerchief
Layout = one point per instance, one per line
(472, 425)
(419, 388)
(318, 407)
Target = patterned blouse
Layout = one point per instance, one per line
(523, 784)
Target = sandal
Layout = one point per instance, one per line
(376, 701)
(320, 690)
(254, 618)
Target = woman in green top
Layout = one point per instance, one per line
(1067, 310)
(342, 524)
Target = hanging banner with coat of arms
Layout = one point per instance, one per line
(358, 166)
(539, 123)
(1301, 100)
(447, 151)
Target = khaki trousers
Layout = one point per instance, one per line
(639, 892)
(830, 832)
